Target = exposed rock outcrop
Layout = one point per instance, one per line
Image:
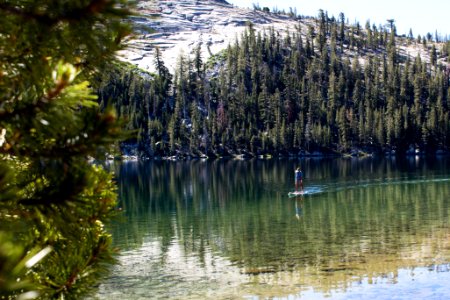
(180, 26)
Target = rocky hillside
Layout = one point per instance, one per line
(281, 84)
(178, 27)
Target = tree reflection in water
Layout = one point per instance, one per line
(372, 218)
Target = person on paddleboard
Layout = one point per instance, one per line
(298, 179)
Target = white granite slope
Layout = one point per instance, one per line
(180, 26)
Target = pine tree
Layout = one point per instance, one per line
(433, 56)
(342, 30)
(293, 91)
(53, 201)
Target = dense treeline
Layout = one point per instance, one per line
(327, 86)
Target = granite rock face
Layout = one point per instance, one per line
(178, 27)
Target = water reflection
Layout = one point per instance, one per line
(228, 229)
(299, 206)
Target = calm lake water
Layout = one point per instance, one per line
(226, 229)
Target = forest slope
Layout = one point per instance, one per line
(287, 85)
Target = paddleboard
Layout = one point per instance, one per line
(299, 193)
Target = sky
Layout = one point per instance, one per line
(420, 16)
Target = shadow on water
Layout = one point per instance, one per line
(233, 221)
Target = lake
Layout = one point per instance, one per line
(369, 228)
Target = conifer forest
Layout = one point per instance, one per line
(333, 88)
(67, 102)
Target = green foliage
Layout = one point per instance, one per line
(331, 87)
(53, 201)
